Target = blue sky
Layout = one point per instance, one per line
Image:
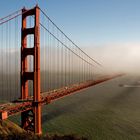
(88, 22)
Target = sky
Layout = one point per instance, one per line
(88, 21)
(101, 27)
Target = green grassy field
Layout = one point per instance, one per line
(103, 112)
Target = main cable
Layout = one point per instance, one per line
(69, 38)
(64, 44)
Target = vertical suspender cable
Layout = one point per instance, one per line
(18, 60)
(57, 61)
(69, 67)
(6, 59)
(2, 62)
(62, 71)
(65, 53)
(43, 59)
(51, 62)
(10, 80)
(49, 56)
(15, 72)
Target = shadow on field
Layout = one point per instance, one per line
(63, 109)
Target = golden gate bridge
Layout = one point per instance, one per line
(39, 64)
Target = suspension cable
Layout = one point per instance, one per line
(64, 44)
(69, 38)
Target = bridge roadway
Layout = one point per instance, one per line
(9, 109)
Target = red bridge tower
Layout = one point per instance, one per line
(31, 119)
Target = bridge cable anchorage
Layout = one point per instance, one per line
(69, 38)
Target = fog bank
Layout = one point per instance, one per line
(117, 57)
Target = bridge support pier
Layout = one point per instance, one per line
(31, 119)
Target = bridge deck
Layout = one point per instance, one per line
(9, 109)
